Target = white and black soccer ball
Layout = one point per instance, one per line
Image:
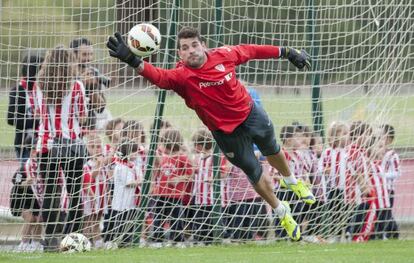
(75, 242)
(144, 40)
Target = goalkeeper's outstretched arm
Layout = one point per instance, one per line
(119, 49)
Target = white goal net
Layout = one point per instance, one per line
(346, 126)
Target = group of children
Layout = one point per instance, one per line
(352, 178)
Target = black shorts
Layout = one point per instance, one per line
(238, 145)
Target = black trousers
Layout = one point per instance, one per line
(392, 227)
(314, 215)
(337, 213)
(357, 220)
(247, 218)
(108, 231)
(125, 226)
(168, 209)
(384, 218)
(203, 224)
(70, 157)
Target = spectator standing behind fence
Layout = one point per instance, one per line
(333, 166)
(358, 186)
(113, 132)
(126, 181)
(203, 188)
(26, 201)
(245, 207)
(61, 108)
(94, 190)
(392, 170)
(95, 84)
(134, 131)
(21, 107)
(175, 172)
(379, 194)
(317, 179)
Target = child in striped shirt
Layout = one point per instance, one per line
(392, 171)
(94, 190)
(203, 188)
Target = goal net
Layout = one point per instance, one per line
(151, 175)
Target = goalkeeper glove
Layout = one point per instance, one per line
(118, 49)
(299, 58)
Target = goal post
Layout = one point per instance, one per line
(154, 133)
(317, 110)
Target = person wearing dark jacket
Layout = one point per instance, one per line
(21, 105)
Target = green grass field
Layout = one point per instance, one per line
(283, 109)
(385, 251)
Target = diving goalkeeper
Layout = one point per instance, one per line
(206, 80)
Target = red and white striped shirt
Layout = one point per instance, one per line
(296, 164)
(224, 191)
(318, 180)
(203, 187)
(296, 167)
(380, 192)
(333, 164)
(98, 187)
(308, 159)
(238, 186)
(60, 121)
(38, 186)
(357, 165)
(391, 168)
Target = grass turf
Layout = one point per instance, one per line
(375, 251)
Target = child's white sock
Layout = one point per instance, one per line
(99, 243)
(291, 179)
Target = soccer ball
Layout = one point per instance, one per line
(144, 40)
(75, 242)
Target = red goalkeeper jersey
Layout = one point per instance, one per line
(213, 91)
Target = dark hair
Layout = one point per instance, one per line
(30, 66)
(172, 140)
(110, 126)
(287, 132)
(131, 128)
(203, 137)
(388, 130)
(313, 139)
(359, 128)
(126, 147)
(370, 145)
(188, 32)
(300, 127)
(57, 73)
(77, 42)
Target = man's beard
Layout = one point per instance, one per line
(195, 63)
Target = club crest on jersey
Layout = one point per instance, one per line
(230, 154)
(220, 67)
